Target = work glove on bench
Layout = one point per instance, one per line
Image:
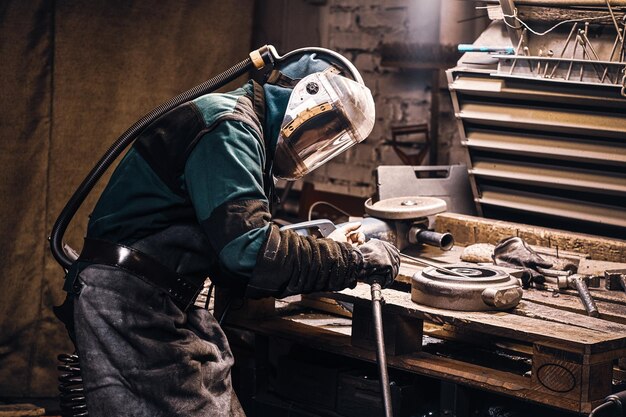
(514, 252)
(381, 262)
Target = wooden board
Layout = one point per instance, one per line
(468, 230)
(445, 368)
(569, 358)
(598, 336)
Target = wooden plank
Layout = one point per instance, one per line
(546, 312)
(324, 304)
(595, 267)
(570, 301)
(495, 322)
(21, 410)
(420, 362)
(402, 334)
(468, 230)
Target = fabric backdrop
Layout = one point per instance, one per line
(74, 74)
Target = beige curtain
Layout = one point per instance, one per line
(74, 74)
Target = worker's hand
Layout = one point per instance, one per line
(381, 262)
(348, 233)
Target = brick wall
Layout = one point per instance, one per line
(357, 29)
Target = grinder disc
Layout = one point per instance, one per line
(404, 208)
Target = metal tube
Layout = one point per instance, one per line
(377, 316)
(443, 241)
(434, 265)
(586, 298)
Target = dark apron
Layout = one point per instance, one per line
(142, 356)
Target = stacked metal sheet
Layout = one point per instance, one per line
(545, 136)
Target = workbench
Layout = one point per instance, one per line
(546, 351)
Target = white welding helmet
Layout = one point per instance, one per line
(326, 114)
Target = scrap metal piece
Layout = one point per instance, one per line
(615, 279)
(580, 283)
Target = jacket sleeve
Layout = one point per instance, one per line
(224, 179)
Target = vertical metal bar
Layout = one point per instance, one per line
(569, 38)
(586, 298)
(617, 38)
(381, 357)
(508, 9)
(571, 64)
(517, 50)
(608, 4)
(582, 44)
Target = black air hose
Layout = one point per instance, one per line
(265, 55)
(77, 199)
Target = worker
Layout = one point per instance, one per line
(191, 199)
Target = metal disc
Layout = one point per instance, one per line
(404, 208)
(479, 288)
(470, 274)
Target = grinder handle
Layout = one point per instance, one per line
(319, 228)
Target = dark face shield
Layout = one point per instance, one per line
(326, 115)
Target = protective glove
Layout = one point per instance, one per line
(514, 252)
(381, 262)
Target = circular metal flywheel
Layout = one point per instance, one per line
(466, 287)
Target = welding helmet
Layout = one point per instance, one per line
(326, 114)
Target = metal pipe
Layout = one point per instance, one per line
(434, 265)
(381, 358)
(444, 241)
(586, 298)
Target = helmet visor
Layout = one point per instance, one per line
(326, 115)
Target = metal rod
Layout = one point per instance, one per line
(569, 38)
(517, 50)
(608, 4)
(587, 42)
(434, 265)
(586, 298)
(571, 64)
(580, 39)
(381, 357)
(606, 69)
(622, 44)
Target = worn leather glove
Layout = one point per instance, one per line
(381, 262)
(514, 252)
